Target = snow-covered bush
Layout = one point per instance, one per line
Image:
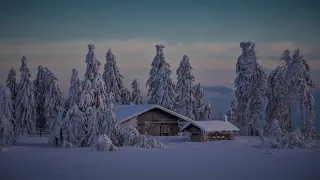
(284, 140)
(104, 143)
(294, 140)
(129, 136)
(67, 144)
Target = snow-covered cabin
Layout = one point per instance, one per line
(210, 130)
(150, 119)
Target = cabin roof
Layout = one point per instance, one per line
(126, 112)
(212, 126)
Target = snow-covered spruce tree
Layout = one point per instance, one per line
(112, 77)
(199, 104)
(291, 84)
(110, 121)
(83, 125)
(279, 103)
(53, 102)
(7, 121)
(250, 86)
(11, 83)
(301, 86)
(25, 106)
(184, 102)
(80, 117)
(39, 93)
(74, 90)
(96, 87)
(207, 113)
(91, 109)
(136, 97)
(125, 96)
(231, 113)
(160, 85)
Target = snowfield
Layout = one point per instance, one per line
(33, 159)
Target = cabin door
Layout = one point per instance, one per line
(164, 130)
(196, 137)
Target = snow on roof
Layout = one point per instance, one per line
(126, 112)
(212, 126)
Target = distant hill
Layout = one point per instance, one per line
(218, 89)
(220, 98)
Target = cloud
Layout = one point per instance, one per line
(213, 62)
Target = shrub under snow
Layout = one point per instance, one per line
(129, 136)
(104, 143)
(67, 144)
(280, 140)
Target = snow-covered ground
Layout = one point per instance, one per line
(180, 160)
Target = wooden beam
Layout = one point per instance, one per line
(163, 122)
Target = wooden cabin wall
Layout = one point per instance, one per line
(158, 123)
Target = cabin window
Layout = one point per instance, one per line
(164, 129)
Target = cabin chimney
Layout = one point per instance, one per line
(225, 118)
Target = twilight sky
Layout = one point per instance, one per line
(55, 34)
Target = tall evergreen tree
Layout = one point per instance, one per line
(93, 98)
(231, 113)
(113, 78)
(184, 103)
(25, 108)
(52, 100)
(39, 93)
(207, 114)
(110, 121)
(301, 86)
(125, 96)
(88, 114)
(250, 86)
(11, 83)
(7, 121)
(290, 83)
(136, 97)
(58, 130)
(74, 90)
(199, 104)
(160, 85)
(279, 105)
